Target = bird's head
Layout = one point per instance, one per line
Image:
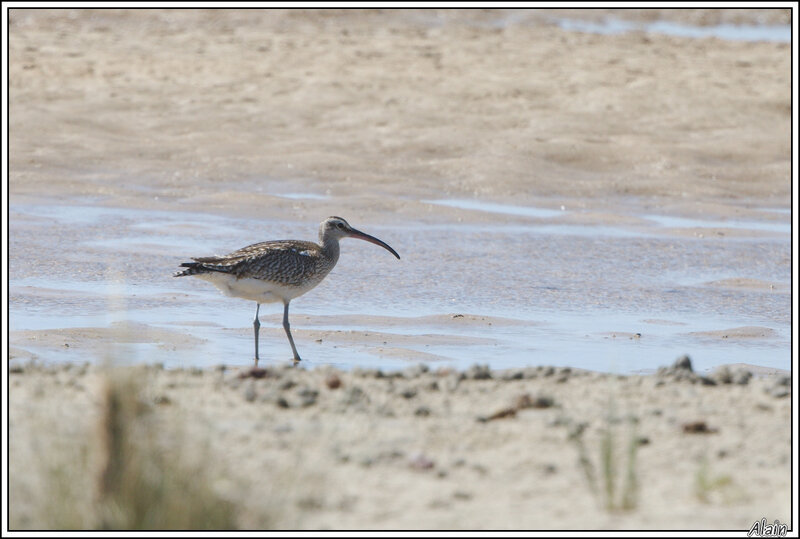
(336, 228)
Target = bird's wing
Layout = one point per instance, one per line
(282, 261)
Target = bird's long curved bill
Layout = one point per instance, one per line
(372, 239)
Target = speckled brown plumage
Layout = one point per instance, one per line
(287, 262)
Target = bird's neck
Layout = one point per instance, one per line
(330, 247)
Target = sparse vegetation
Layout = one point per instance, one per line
(709, 486)
(616, 492)
(142, 485)
(137, 482)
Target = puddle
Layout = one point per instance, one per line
(682, 222)
(731, 32)
(309, 196)
(477, 205)
(593, 230)
(564, 290)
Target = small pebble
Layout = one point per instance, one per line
(516, 374)
(287, 384)
(540, 401)
(408, 393)
(333, 381)
(354, 395)
(479, 372)
(698, 427)
(254, 372)
(422, 411)
(742, 377)
(308, 396)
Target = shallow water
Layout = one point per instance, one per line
(780, 33)
(732, 32)
(568, 295)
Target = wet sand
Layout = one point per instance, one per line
(387, 107)
(141, 137)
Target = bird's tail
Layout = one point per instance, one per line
(192, 268)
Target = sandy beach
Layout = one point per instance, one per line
(419, 449)
(635, 177)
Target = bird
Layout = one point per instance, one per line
(273, 271)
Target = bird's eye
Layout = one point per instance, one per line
(339, 225)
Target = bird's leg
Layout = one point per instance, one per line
(289, 333)
(256, 325)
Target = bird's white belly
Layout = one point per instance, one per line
(255, 289)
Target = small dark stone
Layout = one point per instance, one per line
(526, 401)
(408, 393)
(742, 377)
(723, 375)
(287, 384)
(479, 372)
(254, 372)
(353, 395)
(531, 372)
(516, 374)
(333, 381)
(683, 363)
(422, 411)
(308, 396)
(698, 427)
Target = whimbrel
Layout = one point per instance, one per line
(281, 270)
